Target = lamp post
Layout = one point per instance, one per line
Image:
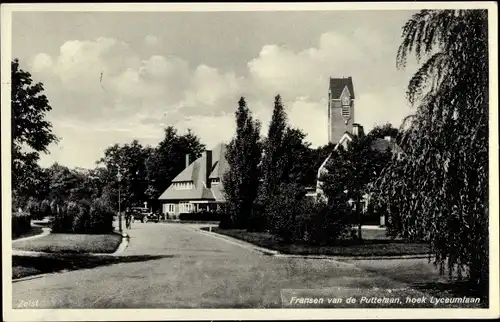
(119, 177)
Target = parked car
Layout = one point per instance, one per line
(142, 214)
(154, 216)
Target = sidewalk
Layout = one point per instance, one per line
(45, 232)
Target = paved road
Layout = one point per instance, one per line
(187, 268)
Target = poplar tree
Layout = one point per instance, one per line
(273, 159)
(241, 181)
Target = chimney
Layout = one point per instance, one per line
(361, 130)
(208, 169)
(355, 129)
(187, 160)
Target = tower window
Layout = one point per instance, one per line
(346, 112)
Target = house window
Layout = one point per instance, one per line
(183, 185)
(169, 208)
(185, 207)
(215, 181)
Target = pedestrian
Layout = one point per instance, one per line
(128, 218)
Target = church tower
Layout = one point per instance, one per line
(340, 108)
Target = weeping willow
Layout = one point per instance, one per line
(439, 190)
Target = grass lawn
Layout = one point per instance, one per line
(422, 275)
(71, 243)
(32, 232)
(374, 244)
(23, 266)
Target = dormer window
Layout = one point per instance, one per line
(214, 181)
(184, 185)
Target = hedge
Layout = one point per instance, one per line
(200, 216)
(21, 223)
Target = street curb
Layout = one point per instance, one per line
(275, 253)
(32, 277)
(265, 251)
(123, 245)
(344, 258)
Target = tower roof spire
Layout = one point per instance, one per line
(337, 85)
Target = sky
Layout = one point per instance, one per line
(112, 77)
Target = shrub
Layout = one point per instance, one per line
(63, 220)
(81, 217)
(33, 207)
(45, 210)
(226, 220)
(258, 221)
(84, 217)
(283, 208)
(21, 223)
(328, 223)
(101, 217)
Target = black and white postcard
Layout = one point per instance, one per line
(249, 161)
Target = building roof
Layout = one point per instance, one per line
(220, 165)
(337, 85)
(218, 192)
(196, 173)
(190, 173)
(381, 145)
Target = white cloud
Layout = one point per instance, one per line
(40, 62)
(302, 78)
(151, 40)
(311, 117)
(210, 92)
(138, 96)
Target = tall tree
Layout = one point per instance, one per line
(296, 158)
(168, 159)
(357, 167)
(130, 161)
(31, 132)
(440, 190)
(315, 158)
(241, 181)
(273, 159)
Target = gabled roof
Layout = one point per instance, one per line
(190, 173)
(221, 165)
(218, 193)
(346, 136)
(196, 172)
(337, 86)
